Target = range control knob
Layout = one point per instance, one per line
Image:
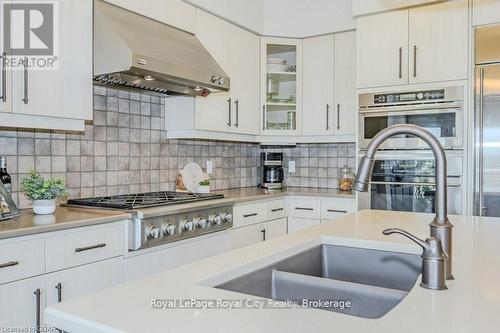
(221, 81)
(169, 229)
(187, 225)
(228, 217)
(216, 219)
(215, 79)
(153, 232)
(201, 223)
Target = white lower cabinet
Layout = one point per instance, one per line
(83, 280)
(21, 304)
(175, 255)
(256, 233)
(296, 224)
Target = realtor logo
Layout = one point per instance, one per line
(30, 33)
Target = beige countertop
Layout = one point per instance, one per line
(247, 194)
(471, 303)
(64, 218)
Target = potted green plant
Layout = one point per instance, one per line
(204, 186)
(43, 192)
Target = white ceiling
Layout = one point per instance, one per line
(287, 18)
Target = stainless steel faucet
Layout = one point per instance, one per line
(441, 228)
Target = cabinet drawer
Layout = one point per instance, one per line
(307, 208)
(21, 259)
(276, 209)
(256, 233)
(75, 248)
(249, 214)
(336, 207)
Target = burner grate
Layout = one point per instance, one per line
(142, 200)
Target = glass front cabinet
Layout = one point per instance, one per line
(281, 86)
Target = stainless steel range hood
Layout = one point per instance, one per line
(138, 52)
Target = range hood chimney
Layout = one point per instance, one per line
(134, 51)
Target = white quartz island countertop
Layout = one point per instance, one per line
(471, 303)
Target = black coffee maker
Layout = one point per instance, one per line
(272, 170)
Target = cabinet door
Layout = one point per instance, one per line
(317, 85)
(345, 113)
(83, 280)
(485, 11)
(5, 74)
(212, 113)
(244, 53)
(381, 49)
(256, 233)
(296, 224)
(64, 92)
(438, 39)
(19, 303)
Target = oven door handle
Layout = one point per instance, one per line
(378, 113)
(413, 184)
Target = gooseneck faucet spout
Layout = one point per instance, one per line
(441, 227)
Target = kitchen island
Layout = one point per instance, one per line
(471, 303)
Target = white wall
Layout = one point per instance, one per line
(299, 18)
(288, 18)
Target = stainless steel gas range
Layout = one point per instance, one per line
(164, 217)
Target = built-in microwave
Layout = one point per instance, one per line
(440, 111)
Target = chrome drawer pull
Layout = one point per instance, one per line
(336, 211)
(302, 208)
(276, 209)
(81, 249)
(9, 264)
(249, 215)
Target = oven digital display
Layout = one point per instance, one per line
(407, 97)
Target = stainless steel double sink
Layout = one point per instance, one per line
(329, 276)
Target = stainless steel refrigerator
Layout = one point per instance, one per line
(487, 122)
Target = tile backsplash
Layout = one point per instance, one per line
(125, 150)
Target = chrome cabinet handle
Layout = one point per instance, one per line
(481, 208)
(264, 117)
(249, 215)
(25, 99)
(414, 60)
(237, 104)
(413, 184)
(4, 77)
(229, 107)
(37, 293)
(338, 116)
(81, 249)
(327, 116)
(336, 211)
(276, 209)
(400, 62)
(263, 234)
(303, 208)
(9, 264)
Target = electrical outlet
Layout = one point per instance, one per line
(210, 167)
(291, 166)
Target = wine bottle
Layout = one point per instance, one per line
(4, 175)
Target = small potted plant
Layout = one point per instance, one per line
(204, 186)
(43, 192)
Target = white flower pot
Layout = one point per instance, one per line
(203, 188)
(44, 207)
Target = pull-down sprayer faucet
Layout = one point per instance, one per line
(441, 227)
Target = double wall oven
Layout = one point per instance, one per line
(403, 178)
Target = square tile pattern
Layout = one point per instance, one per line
(125, 150)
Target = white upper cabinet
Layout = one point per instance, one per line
(65, 92)
(318, 85)
(244, 53)
(485, 12)
(212, 112)
(438, 42)
(176, 13)
(422, 44)
(281, 86)
(345, 111)
(381, 49)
